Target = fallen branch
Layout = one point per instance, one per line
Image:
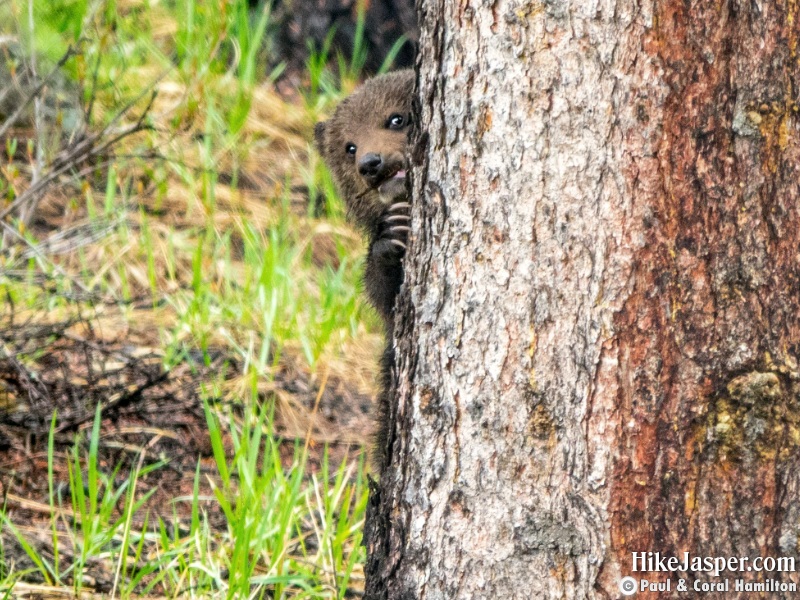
(14, 117)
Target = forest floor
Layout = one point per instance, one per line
(187, 368)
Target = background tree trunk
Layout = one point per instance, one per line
(297, 23)
(598, 339)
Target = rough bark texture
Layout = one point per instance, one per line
(599, 334)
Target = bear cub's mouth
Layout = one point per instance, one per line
(393, 186)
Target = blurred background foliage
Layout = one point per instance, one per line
(187, 366)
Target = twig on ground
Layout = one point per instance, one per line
(83, 148)
(14, 117)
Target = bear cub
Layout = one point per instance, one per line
(364, 145)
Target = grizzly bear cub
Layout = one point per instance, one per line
(364, 145)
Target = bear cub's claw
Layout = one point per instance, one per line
(394, 226)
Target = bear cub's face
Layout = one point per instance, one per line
(364, 144)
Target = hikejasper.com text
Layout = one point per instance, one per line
(655, 562)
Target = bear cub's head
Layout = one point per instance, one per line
(364, 144)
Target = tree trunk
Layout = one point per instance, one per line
(598, 339)
(298, 23)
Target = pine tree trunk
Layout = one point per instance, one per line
(300, 23)
(598, 340)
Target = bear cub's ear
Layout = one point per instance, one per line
(319, 136)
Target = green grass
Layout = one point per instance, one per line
(198, 216)
(231, 270)
(270, 512)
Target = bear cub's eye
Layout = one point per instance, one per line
(350, 148)
(395, 122)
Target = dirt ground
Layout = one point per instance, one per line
(145, 407)
(149, 414)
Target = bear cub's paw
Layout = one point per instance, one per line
(393, 231)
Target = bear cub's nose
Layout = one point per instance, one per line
(370, 167)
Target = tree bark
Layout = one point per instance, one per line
(598, 337)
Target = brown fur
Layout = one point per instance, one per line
(376, 198)
(361, 119)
